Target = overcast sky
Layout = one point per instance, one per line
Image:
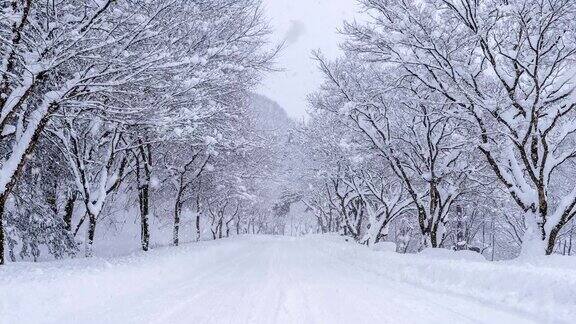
(305, 25)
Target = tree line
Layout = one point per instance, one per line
(448, 123)
(135, 100)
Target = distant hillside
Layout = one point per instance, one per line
(269, 113)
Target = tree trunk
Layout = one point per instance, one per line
(144, 163)
(69, 211)
(220, 225)
(534, 241)
(198, 226)
(175, 238)
(198, 213)
(552, 239)
(91, 231)
(177, 210)
(433, 238)
(2, 206)
(144, 212)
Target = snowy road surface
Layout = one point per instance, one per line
(242, 280)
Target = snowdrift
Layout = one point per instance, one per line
(544, 287)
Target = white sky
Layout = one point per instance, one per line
(306, 25)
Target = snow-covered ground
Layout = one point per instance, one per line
(317, 279)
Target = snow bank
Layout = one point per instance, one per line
(80, 290)
(384, 247)
(543, 287)
(444, 254)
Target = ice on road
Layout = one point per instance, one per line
(241, 280)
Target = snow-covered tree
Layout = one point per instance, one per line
(112, 79)
(409, 128)
(507, 66)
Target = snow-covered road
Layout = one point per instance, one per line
(242, 280)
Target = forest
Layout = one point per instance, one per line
(137, 125)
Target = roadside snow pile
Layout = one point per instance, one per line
(544, 287)
(444, 254)
(80, 290)
(384, 247)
